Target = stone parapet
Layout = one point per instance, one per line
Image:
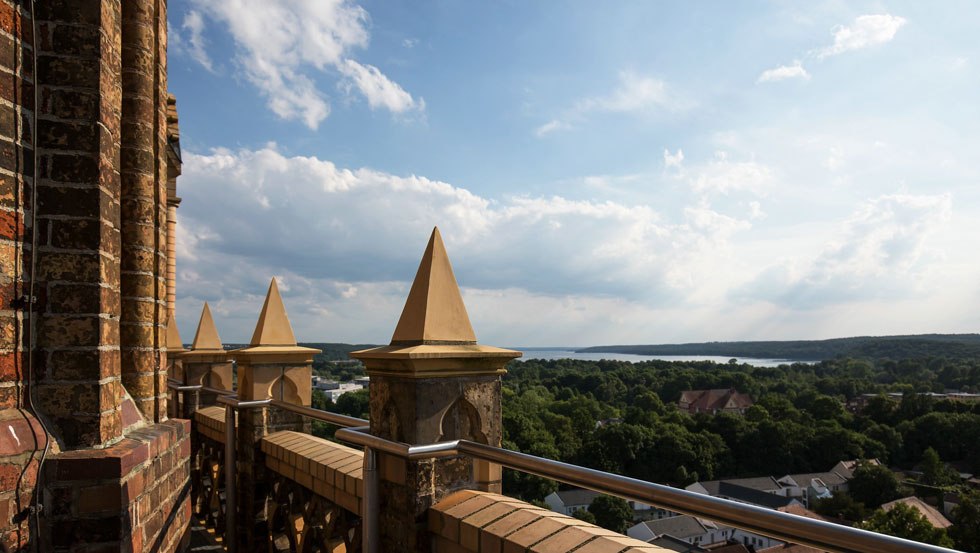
(478, 522)
(326, 468)
(210, 421)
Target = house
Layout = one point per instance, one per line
(671, 543)
(811, 486)
(928, 511)
(686, 528)
(763, 492)
(847, 468)
(714, 401)
(696, 531)
(567, 502)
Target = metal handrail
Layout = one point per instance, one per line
(776, 524)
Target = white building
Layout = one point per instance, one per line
(567, 502)
(333, 389)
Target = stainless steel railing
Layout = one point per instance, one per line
(775, 524)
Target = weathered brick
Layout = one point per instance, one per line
(76, 267)
(57, 331)
(71, 104)
(76, 40)
(73, 72)
(11, 225)
(77, 298)
(67, 135)
(82, 365)
(70, 11)
(99, 498)
(73, 167)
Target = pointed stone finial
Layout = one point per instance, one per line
(206, 338)
(273, 328)
(434, 311)
(434, 337)
(174, 342)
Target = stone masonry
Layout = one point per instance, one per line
(433, 383)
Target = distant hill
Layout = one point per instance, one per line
(953, 346)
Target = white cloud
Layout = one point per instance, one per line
(879, 252)
(550, 127)
(410, 42)
(866, 31)
(784, 72)
(673, 160)
(723, 176)
(190, 39)
(282, 45)
(339, 235)
(634, 93)
(379, 90)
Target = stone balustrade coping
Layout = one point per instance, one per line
(211, 422)
(470, 521)
(329, 469)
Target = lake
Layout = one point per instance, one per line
(570, 353)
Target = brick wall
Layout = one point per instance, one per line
(144, 209)
(146, 509)
(79, 62)
(100, 319)
(20, 433)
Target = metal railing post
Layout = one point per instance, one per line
(369, 503)
(230, 481)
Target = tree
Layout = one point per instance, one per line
(354, 404)
(612, 513)
(840, 505)
(873, 485)
(966, 531)
(934, 470)
(906, 522)
(584, 514)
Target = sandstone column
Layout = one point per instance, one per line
(206, 363)
(272, 366)
(433, 383)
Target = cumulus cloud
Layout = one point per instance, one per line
(879, 252)
(189, 40)
(723, 176)
(379, 90)
(673, 160)
(341, 235)
(634, 93)
(784, 72)
(283, 45)
(866, 31)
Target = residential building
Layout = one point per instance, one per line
(930, 513)
(714, 401)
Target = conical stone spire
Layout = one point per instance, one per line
(206, 338)
(174, 342)
(273, 365)
(433, 337)
(434, 312)
(273, 328)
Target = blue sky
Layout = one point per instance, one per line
(615, 172)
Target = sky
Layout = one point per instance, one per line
(601, 172)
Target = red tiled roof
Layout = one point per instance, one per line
(714, 400)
